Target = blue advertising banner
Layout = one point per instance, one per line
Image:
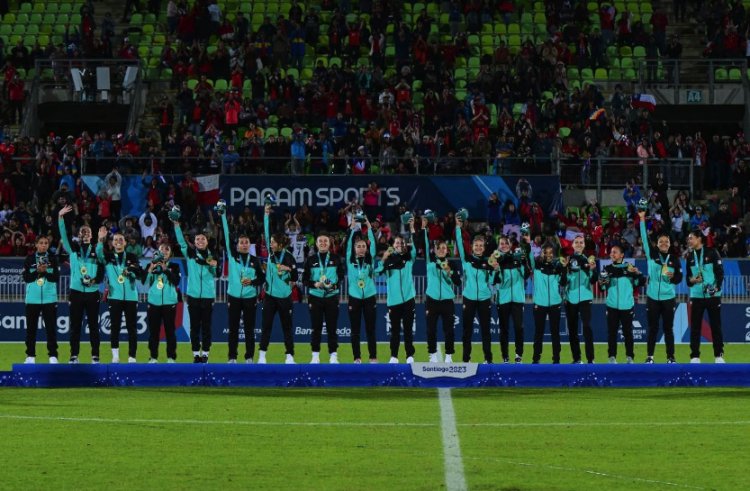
(736, 325)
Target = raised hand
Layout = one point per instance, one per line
(65, 210)
(102, 234)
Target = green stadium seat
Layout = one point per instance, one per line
(19, 30)
(272, 131)
(22, 19)
(646, 8)
(39, 7)
(63, 19)
(735, 75)
(292, 72)
(65, 8)
(721, 75)
(51, 8)
(633, 7)
(287, 132)
(587, 74)
(6, 30)
(136, 19)
(32, 29)
(192, 83)
(600, 75)
(626, 51)
(639, 52)
(626, 63)
(573, 73)
(514, 28)
(221, 85)
(25, 8)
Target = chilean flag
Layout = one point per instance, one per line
(208, 189)
(644, 101)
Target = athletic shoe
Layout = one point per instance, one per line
(393, 360)
(519, 359)
(73, 360)
(410, 360)
(115, 355)
(629, 360)
(204, 358)
(232, 361)
(171, 360)
(261, 357)
(289, 360)
(671, 360)
(248, 361)
(196, 358)
(334, 359)
(358, 361)
(373, 360)
(612, 360)
(53, 360)
(153, 360)
(433, 358)
(591, 362)
(576, 362)
(719, 359)
(30, 360)
(695, 360)
(649, 360)
(94, 360)
(315, 358)
(506, 360)
(449, 358)
(131, 359)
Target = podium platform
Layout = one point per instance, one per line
(418, 375)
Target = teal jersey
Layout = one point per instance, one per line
(549, 280)
(478, 274)
(660, 287)
(278, 282)
(397, 269)
(580, 279)
(619, 285)
(323, 268)
(360, 272)
(122, 271)
(85, 272)
(705, 262)
(162, 285)
(41, 288)
(441, 277)
(201, 276)
(511, 278)
(245, 270)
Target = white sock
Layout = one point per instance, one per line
(196, 353)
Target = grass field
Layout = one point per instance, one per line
(379, 439)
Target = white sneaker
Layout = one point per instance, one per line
(358, 361)
(449, 358)
(131, 359)
(248, 361)
(30, 360)
(613, 360)
(171, 360)
(115, 355)
(393, 360)
(629, 360)
(94, 360)
(695, 360)
(433, 358)
(373, 360)
(719, 359)
(289, 360)
(315, 358)
(53, 360)
(410, 360)
(150, 360)
(73, 360)
(261, 357)
(334, 359)
(232, 361)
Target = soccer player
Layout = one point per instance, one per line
(550, 277)
(162, 281)
(281, 272)
(664, 272)
(440, 296)
(40, 273)
(362, 293)
(619, 279)
(322, 275)
(85, 276)
(201, 289)
(512, 273)
(398, 264)
(582, 274)
(122, 270)
(478, 274)
(245, 276)
(706, 276)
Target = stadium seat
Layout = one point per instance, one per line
(639, 52)
(600, 75)
(735, 75)
(721, 75)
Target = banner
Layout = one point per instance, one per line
(736, 325)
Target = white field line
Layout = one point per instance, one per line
(590, 472)
(455, 480)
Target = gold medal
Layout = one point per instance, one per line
(40, 281)
(361, 284)
(446, 266)
(121, 279)
(84, 271)
(664, 269)
(323, 278)
(160, 284)
(278, 269)
(592, 260)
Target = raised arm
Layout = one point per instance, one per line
(460, 240)
(373, 245)
(350, 245)
(61, 227)
(644, 234)
(180, 239)
(100, 244)
(225, 225)
(267, 227)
